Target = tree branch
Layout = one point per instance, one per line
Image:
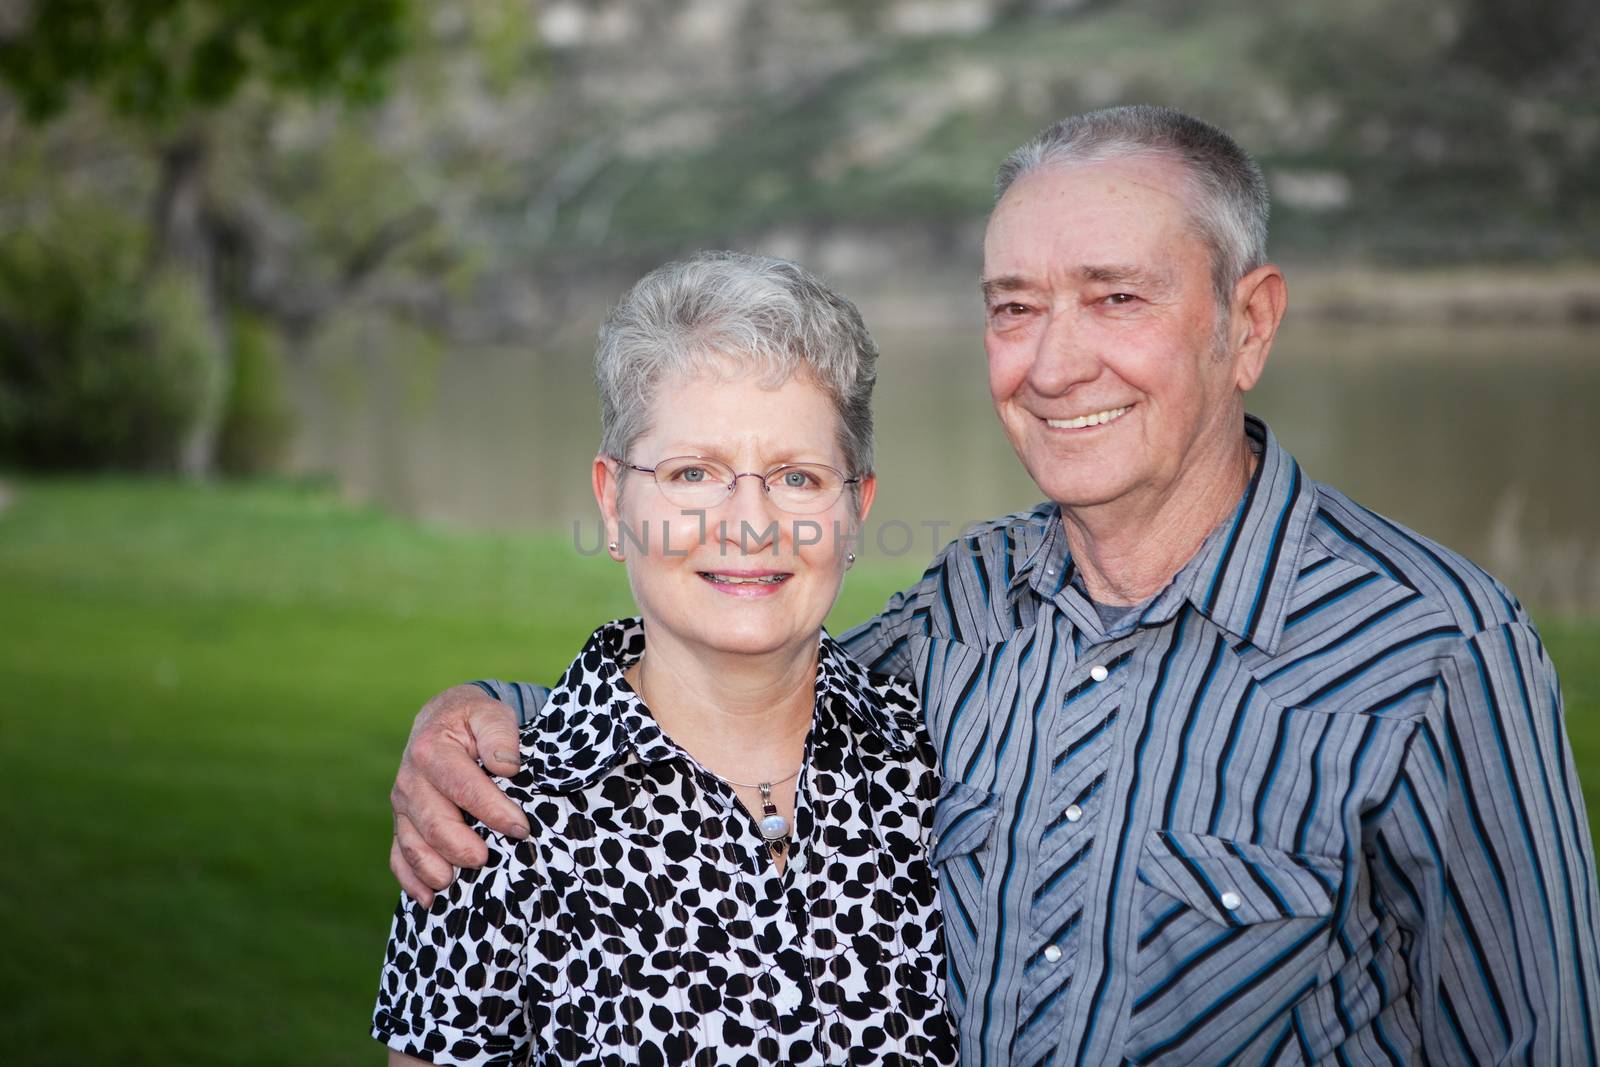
(383, 242)
(262, 273)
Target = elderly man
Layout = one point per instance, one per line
(1236, 769)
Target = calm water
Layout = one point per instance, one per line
(1486, 439)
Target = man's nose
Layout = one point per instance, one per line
(1063, 359)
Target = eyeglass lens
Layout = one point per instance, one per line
(802, 488)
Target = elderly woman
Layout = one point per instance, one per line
(729, 817)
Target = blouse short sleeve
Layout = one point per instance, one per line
(455, 988)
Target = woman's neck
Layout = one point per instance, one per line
(744, 717)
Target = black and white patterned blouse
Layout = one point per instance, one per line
(643, 922)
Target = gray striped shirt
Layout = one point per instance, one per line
(1314, 803)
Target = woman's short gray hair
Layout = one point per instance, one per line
(722, 312)
(1230, 199)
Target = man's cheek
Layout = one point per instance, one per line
(1008, 368)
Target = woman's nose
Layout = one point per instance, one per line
(754, 521)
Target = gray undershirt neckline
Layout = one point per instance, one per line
(1114, 616)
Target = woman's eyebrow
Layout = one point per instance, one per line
(720, 453)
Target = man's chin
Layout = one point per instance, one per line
(1092, 486)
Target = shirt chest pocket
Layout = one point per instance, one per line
(1226, 931)
(960, 845)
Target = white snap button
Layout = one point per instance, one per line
(1074, 813)
(1230, 900)
(1052, 953)
(1098, 673)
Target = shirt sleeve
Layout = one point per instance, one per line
(1483, 856)
(886, 642)
(455, 986)
(524, 698)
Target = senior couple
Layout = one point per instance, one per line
(1196, 762)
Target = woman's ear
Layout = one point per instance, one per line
(607, 479)
(866, 492)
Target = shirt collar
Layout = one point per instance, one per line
(1039, 541)
(1241, 577)
(594, 720)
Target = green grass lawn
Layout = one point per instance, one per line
(202, 697)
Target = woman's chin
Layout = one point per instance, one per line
(747, 632)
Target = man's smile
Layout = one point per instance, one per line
(1094, 418)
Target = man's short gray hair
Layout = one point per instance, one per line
(727, 312)
(1230, 201)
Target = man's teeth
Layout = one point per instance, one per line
(729, 579)
(1099, 418)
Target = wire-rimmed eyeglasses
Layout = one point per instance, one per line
(698, 482)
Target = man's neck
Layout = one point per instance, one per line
(1129, 550)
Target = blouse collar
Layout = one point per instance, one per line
(594, 720)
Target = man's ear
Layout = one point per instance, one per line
(607, 479)
(1259, 301)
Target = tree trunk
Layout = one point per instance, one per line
(184, 242)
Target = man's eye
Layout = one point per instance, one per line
(1118, 299)
(1010, 309)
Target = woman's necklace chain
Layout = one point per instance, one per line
(774, 826)
(761, 785)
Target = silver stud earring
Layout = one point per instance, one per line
(614, 547)
(849, 560)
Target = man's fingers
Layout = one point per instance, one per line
(425, 817)
(439, 775)
(447, 763)
(429, 867)
(465, 784)
(415, 888)
(494, 726)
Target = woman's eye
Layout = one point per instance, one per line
(692, 474)
(796, 479)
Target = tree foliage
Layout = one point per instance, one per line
(180, 76)
(156, 60)
(98, 367)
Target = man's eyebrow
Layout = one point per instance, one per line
(1005, 283)
(1117, 274)
(1108, 273)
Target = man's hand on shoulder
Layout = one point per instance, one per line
(439, 777)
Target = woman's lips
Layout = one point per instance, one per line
(746, 583)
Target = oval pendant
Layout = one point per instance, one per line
(774, 827)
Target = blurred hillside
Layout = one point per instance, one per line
(202, 199)
(1396, 132)
(526, 151)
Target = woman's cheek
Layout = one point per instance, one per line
(683, 532)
